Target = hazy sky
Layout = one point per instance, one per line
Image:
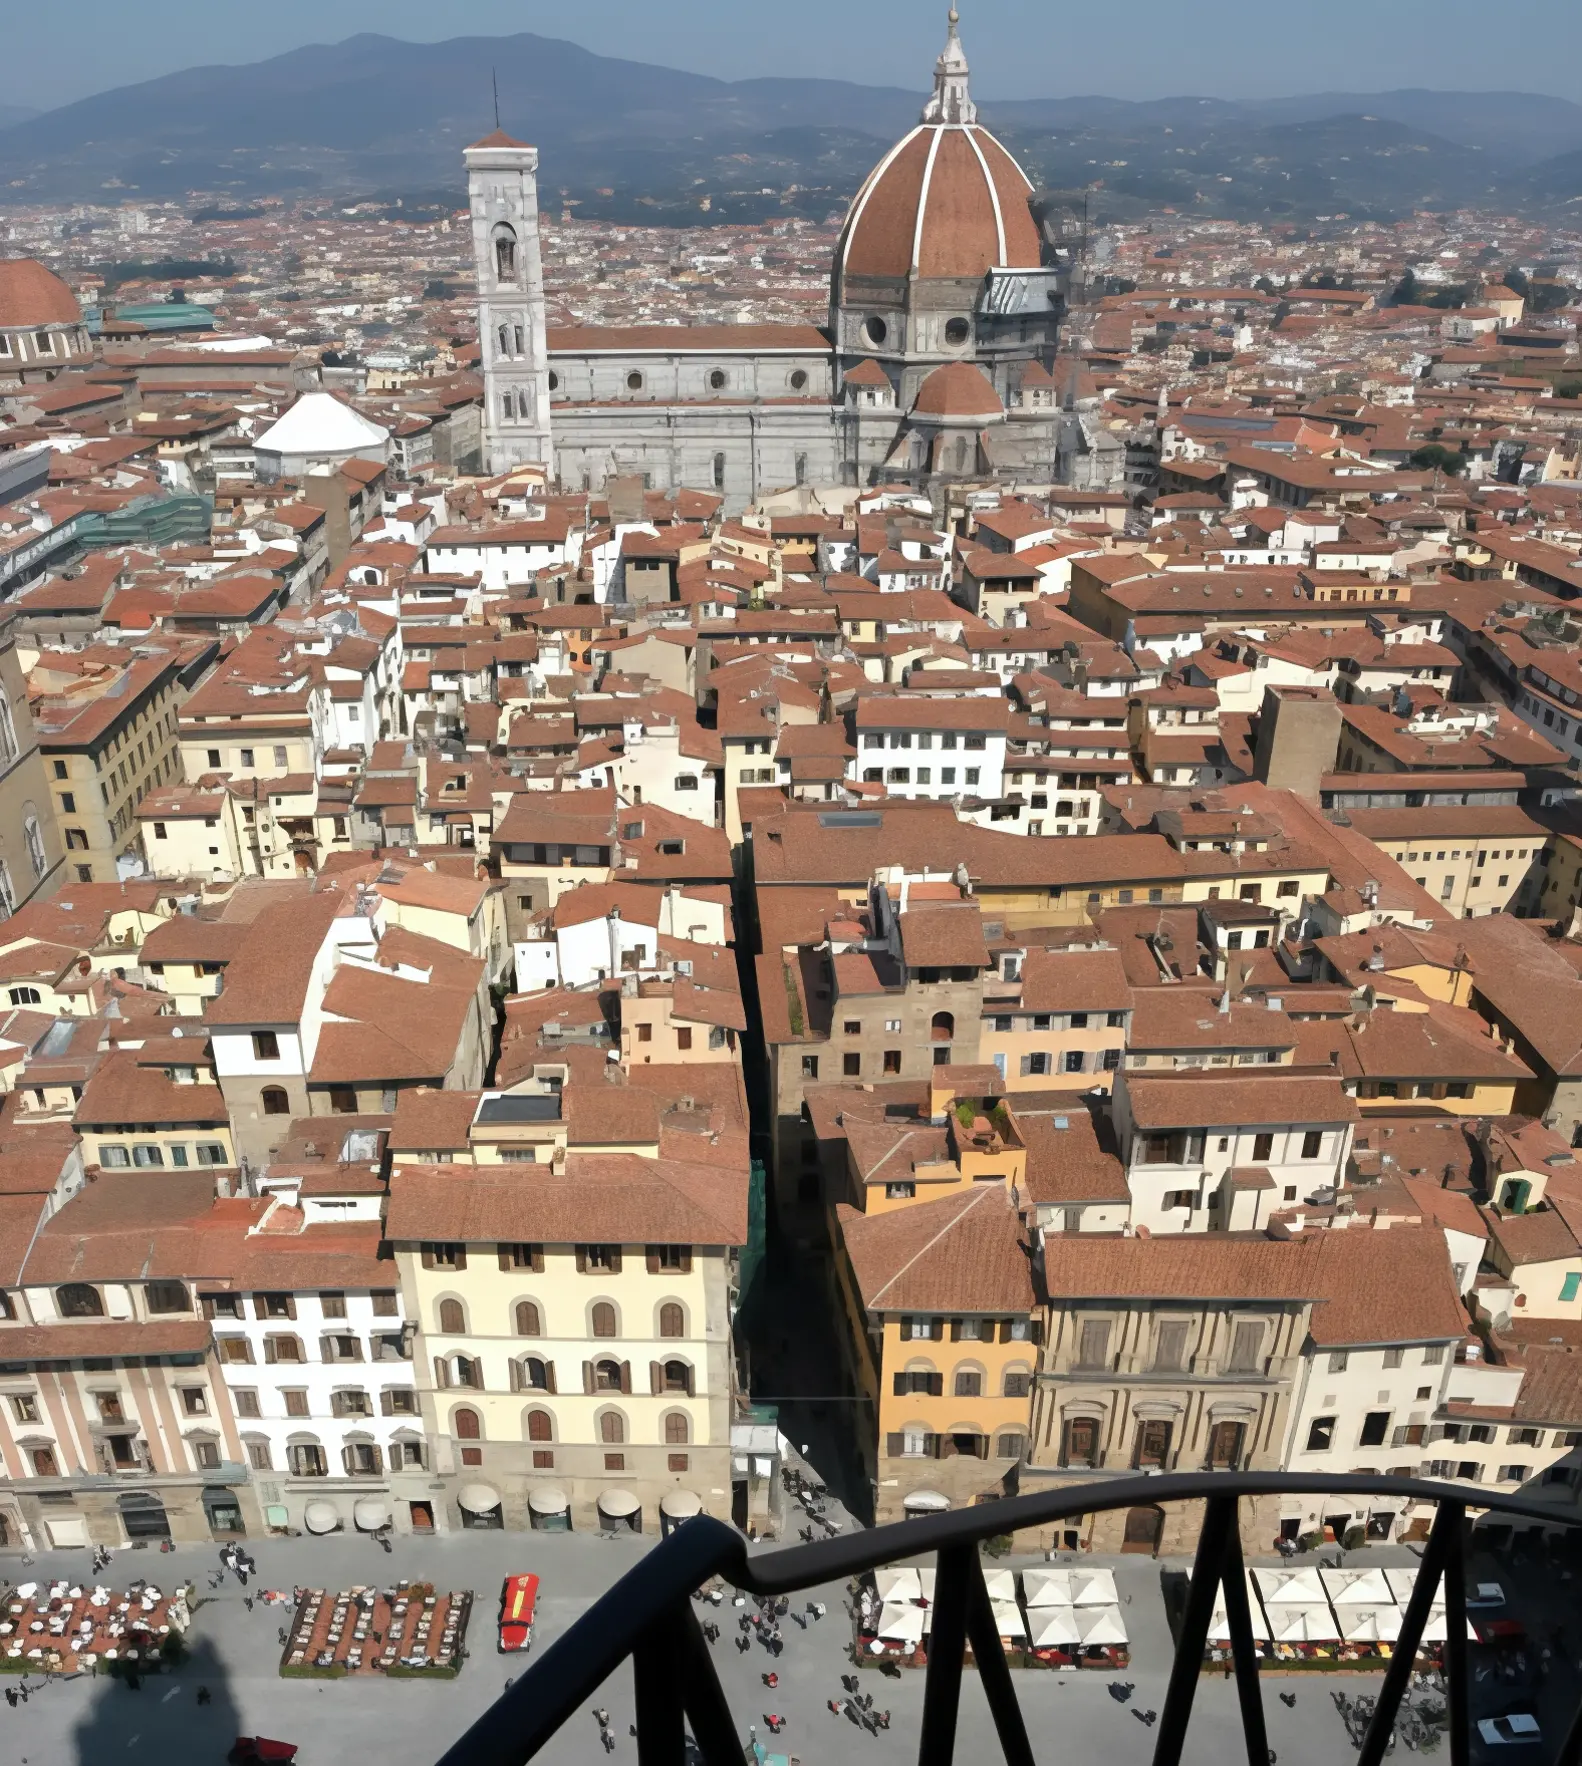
(1018, 48)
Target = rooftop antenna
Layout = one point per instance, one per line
(494, 81)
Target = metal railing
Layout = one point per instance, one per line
(648, 1617)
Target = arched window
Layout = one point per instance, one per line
(717, 380)
(612, 1428)
(535, 1374)
(677, 1429)
(634, 381)
(528, 1322)
(957, 331)
(452, 1318)
(504, 254)
(508, 406)
(554, 381)
(672, 1320)
(798, 379)
(34, 838)
(78, 1300)
(540, 1426)
(801, 469)
(719, 472)
(603, 1319)
(678, 1377)
(24, 996)
(607, 1376)
(275, 1101)
(943, 1026)
(504, 335)
(961, 453)
(465, 1424)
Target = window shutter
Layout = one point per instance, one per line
(902, 1385)
(686, 1260)
(516, 1374)
(536, 1261)
(936, 1385)
(955, 1330)
(931, 1446)
(503, 1253)
(441, 1372)
(582, 1260)
(895, 1445)
(378, 1459)
(615, 1260)
(428, 1256)
(549, 1377)
(656, 1377)
(587, 1377)
(386, 1403)
(691, 1382)
(269, 1351)
(461, 1257)
(208, 1306)
(653, 1260)
(626, 1376)
(1005, 1330)
(936, 1330)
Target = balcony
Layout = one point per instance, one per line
(648, 1618)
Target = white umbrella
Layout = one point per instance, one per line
(897, 1583)
(1303, 1625)
(1219, 1621)
(901, 1623)
(1370, 1624)
(1357, 1588)
(1094, 1588)
(1437, 1630)
(1402, 1582)
(1291, 1588)
(1001, 1585)
(1100, 1625)
(925, 1581)
(1053, 1627)
(1046, 1588)
(1008, 1619)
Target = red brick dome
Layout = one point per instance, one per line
(31, 295)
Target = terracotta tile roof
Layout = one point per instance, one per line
(1392, 1286)
(943, 935)
(1074, 981)
(32, 295)
(603, 1198)
(963, 1253)
(427, 1117)
(1076, 1162)
(267, 980)
(1198, 1101)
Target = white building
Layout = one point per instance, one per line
(931, 747)
(319, 433)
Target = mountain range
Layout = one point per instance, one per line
(376, 116)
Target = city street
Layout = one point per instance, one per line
(235, 1654)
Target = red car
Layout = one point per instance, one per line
(518, 1600)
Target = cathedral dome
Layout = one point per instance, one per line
(948, 200)
(958, 392)
(31, 295)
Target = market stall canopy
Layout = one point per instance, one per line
(1219, 1620)
(1001, 1584)
(1053, 1627)
(1046, 1588)
(1291, 1588)
(1100, 1625)
(1370, 1624)
(478, 1499)
(926, 1499)
(1357, 1588)
(548, 1499)
(1303, 1625)
(321, 1517)
(897, 1582)
(371, 1513)
(902, 1623)
(618, 1503)
(1008, 1619)
(1094, 1588)
(1403, 1581)
(1437, 1629)
(681, 1505)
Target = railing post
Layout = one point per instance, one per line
(1457, 1672)
(708, 1712)
(995, 1672)
(1244, 1649)
(947, 1644)
(1185, 1671)
(1447, 1524)
(656, 1672)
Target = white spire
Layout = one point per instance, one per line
(952, 102)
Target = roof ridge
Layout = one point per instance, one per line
(923, 1250)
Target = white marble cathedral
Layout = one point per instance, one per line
(945, 304)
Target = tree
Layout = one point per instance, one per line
(1516, 281)
(1406, 292)
(1435, 457)
(1265, 286)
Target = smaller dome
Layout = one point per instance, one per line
(957, 392)
(867, 373)
(31, 295)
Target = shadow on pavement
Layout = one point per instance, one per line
(158, 1718)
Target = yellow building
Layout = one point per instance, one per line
(106, 719)
(940, 1341)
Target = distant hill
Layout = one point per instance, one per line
(15, 113)
(375, 116)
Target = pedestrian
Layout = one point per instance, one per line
(203, 1695)
(10, 1697)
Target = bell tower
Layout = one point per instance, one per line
(502, 189)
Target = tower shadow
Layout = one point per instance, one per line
(159, 1719)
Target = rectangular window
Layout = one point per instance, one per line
(1568, 1288)
(1312, 1143)
(266, 1045)
(1321, 1434)
(1262, 1148)
(1170, 1347)
(1375, 1429)
(1094, 1348)
(1246, 1347)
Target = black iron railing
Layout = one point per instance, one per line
(648, 1617)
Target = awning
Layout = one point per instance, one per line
(901, 1623)
(618, 1503)
(478, 1499)
(1053, 1627)
(371, 1513)
(926, 1499)
(548, 1499)
(680, 1505)
(1100, 1625)
(320, 1516)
